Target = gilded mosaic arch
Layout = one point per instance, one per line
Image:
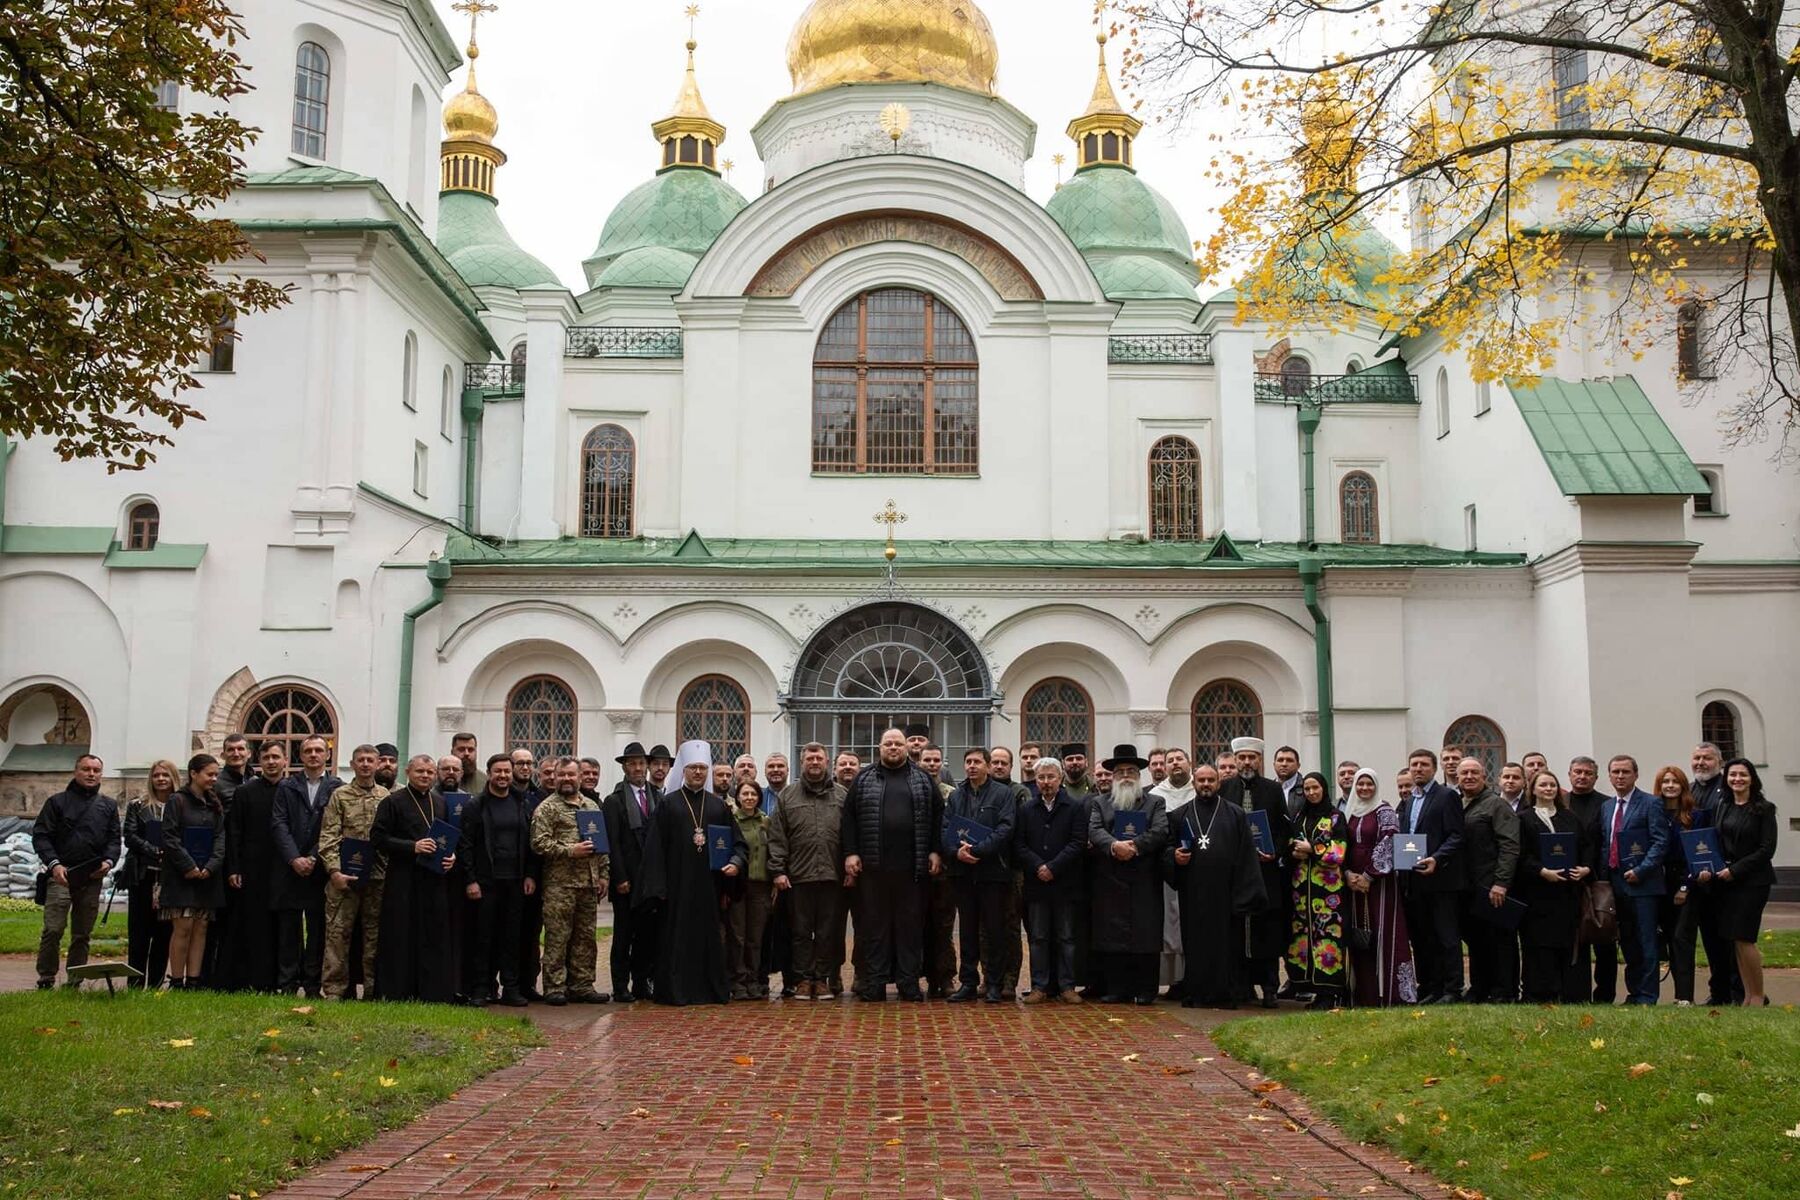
(783, 274)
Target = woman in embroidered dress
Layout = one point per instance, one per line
(1381, 971)
(1316, 961)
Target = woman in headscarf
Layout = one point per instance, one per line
(1381, 966)
(1316, 952)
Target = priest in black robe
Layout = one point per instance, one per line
(1212, 864)
(1127, 890)
(247, 959)
(676, 874)
(413, 961)
(1266, 929)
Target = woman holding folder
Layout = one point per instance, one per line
(1556, 853)
(1381, 964)
(146, 938)
(193, 863)
(1678, 912)
(1747, 832)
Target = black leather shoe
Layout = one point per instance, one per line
(1270, 1002)
(992, 996)
(913, 996)
(1143, 1000)
(1113, 998)
(513, 1000)
(962, 995)
(556, 1000)
(872, 997)
(592, 998)
(531, 993)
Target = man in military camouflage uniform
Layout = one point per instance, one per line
(349, 814)
(574, 881)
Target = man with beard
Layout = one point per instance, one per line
(350, 813)
(1599, 960)
(298, 890)
(805, 848)
(630, 817)
(1724, 985)
(531, 914)
(474, 779)
(1127, 889)
(414, 961)
(387, 769)
(891, 817)
(678, 874)
(1176, 789)
(1212, 860)
(449, 774)
(1075, 767)
(1287, 775)
(1266, 926)
(980, 871)
(660, 762)
(1080, 788)
(502, 870)
(574, 881)
(1000, 760)
(1159, 766)
(247, 962)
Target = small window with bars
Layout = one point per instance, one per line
(1174, 491)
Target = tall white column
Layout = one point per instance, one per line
(548, 314)
(1234, 361)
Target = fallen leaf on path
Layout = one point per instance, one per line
(1178, 1070)
(1202, 1060)
(640, 1113)
(364, 1168)
(744, 1060)
(1131, 1058)
(205, 1114)
(1268, 1085)
(1639, 1070)
(181, 1043)
(892, 1142)
(894, 1120)
(1463, 1193)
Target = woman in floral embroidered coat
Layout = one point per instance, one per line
(1381, 973)
(1316, 952)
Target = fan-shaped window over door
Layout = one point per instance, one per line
(540, 717)
(289, 714)
(714, 709)
(1359, 512)
(1478, 737)
(1719, 725)
(608, 482)
(1057, 711)
(1224, 709)
(1174, 491)
(894, 388)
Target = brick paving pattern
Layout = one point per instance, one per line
(809, 1101)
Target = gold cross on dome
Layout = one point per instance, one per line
(693, 11)
(475, 9)
(890, 516)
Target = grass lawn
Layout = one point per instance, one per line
(1780, 948)
(207, 1095)
(1526, 1102)
(21, 922)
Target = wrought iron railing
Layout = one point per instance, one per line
(494, 377)
(624, 341)
(1366, 387)
(1159, 348)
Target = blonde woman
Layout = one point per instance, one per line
(146, 938)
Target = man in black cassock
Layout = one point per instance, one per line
(1266, 929)
(676, 873)
(413, 961)
(247, 961)
(1211, 862)
(1127, 895)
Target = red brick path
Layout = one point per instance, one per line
(806, 1100)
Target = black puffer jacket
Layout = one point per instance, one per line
(860, 831)
(76, 826)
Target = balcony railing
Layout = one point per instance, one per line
(494, 377)
(624, 341)
(1159, 348)
(1366, 387)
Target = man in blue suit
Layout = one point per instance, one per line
(1432, 891)
(1634, 836)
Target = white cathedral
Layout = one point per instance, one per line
(438, 491)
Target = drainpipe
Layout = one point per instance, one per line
(437, 571)
(1309, 425)
(473, 408)
(1312, 570)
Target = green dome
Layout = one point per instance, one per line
(1115, 218)
(1364, 250)
(476, 243)
(649, 267)
(683, 209)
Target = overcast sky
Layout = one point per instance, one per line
(578, 83)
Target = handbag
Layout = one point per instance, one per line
(1599, 914)
(1362, 937)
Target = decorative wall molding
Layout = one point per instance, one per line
(1727, 578)
(790, 266)
(1613, 558)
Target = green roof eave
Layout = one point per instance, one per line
(56, 539)
(1604, 437)
(164, 556)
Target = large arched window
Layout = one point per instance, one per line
(312, 99)
(289, 714)
(143, 525)
(1719, 725)
(1174, 491)
(894, 388)
(1478, 737)
(713, 709)
(608, 478)
(1057, 711)
(1224, 709)
(540, 717)
(1359, 509)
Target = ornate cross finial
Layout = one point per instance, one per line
(475, 9)
(693, 12)
(890, 516)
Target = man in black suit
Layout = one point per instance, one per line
(1266, 930)
(1433, 889)
(1599, 958)
(297, 889)
(629, 810)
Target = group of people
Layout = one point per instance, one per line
(1148, 876)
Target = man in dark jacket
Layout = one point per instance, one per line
(502, 871)
(889, 833)
(1490, 858)
(1266, 929)
(1724, 986)
(234, 768)
(531, 920)
(630, 812)
(1051, 842)
(1432, 891)
(1599, 960)
(980, 870)
(76, 836)
(805, 853)
(248, 959)
(297, 893)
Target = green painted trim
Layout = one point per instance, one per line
(438, 573)
(164, 556)
(57, 539)
(1311, 572)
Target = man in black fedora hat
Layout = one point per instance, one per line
(1127, 924)
(630, 811)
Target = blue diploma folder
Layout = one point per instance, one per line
(1507, 916)
(1260, 831)
(592, 827)
(454, 803)
(719, 841)
(445, 835)
(355, 857)
(1129, 826)
(1557, 850)
(1701, 849)
(197, 840)
(967, 829)
(1409, 848)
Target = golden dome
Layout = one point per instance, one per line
(470, 116)
(893, 41)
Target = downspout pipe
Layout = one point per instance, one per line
(473, 408)
(437, 572)
(1310, 415)
(1312, 572)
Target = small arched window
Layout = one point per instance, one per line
(608, 480)
(1056, 711)
(713, 709)
(1719, 725)
(540, 717)
(312, 99)
(447, 404)
(517, 357)
(409, 371)
(1353, 366)
(1480, 738)
(142, 526)
(289, 715)
(1296, 376)
(1224, 709)
(1359, 512)
(1443, 402)
(1174, 491)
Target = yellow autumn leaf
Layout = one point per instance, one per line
(304, 1010)
(1597, 1044)
(271, 1033)
(1680, 1180)
(123, 1112)
(181, 1043)
(1639, 1070)
(386, 1081)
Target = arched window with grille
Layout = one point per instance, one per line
(1359, 510)
(608, 482)
(1478, 737)
(894, 388)
(1719, 725)
(540, 717)
(143, 525)
(713, 709)
(289, 714)
(312, 99)
(1224, 709)
(1056, 711)
(1296, 376)
(1174, 490)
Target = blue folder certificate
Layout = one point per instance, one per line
(446, 836)
(592, 828)
(355, 857)
(1701, 849)
(1557, 850)
(718, 846)
(454, 803)
(1260, 831)
(1129, 826)
(197, 840)
(1409, 848)
(967, 829)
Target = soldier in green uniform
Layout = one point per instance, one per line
(574, 880)
(349, 814)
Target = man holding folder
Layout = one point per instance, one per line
(1634, 837)
(568, 832)
(354, 874)
(979, 818)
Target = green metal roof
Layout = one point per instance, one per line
(316, 176)
(1139, 277)
(473, 238)
(1603, 437)
(683, 208)
(1110, 213)
(659, 267)
(811, 554)
(1356, 246)
(56, 539)
(164, 556)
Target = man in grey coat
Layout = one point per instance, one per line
(805, 850)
